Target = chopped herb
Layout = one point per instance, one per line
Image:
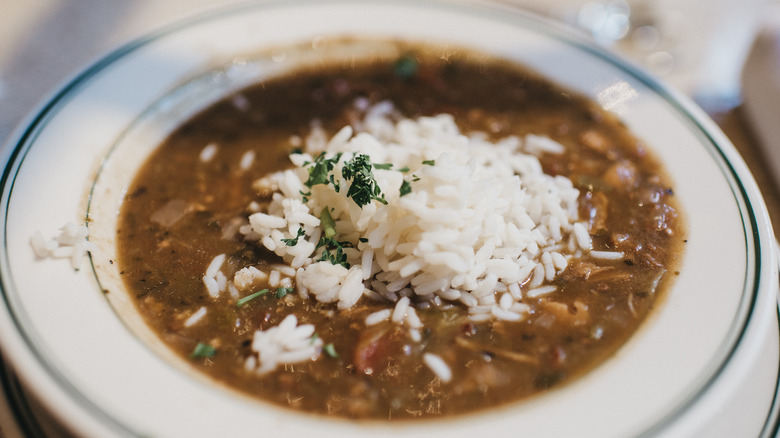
(364, 188)
(282, 291)
(405, 67)
(415, 178)
(335, 184)
(334, 251)
(294, 241)
(314, 338)
(296, 151)
(363, 239)
(404, 169)
(328, 225)
(429, 162)
(330, 350)
(383, 166)
(320, 170)
(203, 350)
(406, 188)
(251, 297)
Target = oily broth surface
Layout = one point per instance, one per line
(378, 372)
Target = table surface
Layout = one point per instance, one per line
(45, 42)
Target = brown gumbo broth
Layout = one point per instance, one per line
(182, 211)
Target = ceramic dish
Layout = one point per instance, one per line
(706, 364)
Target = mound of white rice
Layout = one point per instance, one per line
(482, 224)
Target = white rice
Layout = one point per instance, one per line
(470, 223)
(233, 290)
(540, 291)
(505, 314)
(195, 317)
(215, 265)
(212, 287)
(351, 288)
(286, 343)
(378, 316)
(412, 319)
(482, 225)
(581, 234)
(209, 152)
(538, 144)
(221, 280)
(607, 255)
(399, 313)
(273, 278)
(247, 160)
(71, 242)
(506, 301)
(285, 270)
(438, 366)
(245, 278)
(214, 280)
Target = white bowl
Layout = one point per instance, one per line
(705, 364)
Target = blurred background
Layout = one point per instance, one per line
(700, 47)
(697, 46)
(723, 54)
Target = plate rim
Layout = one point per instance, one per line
(22, 139)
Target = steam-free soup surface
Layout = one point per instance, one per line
(184, 208)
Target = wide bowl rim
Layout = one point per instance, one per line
(757, 222)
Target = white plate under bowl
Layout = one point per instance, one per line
(705, 364)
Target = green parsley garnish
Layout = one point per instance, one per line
(330, 350)
(294, 241)
(334, 251)
(429, 162)
(251, 297)
(383, 166)
(405, 67)
(282, 291)
(406, 188)
(320, 171)
(404, 169)
(364, 188)
(203, 350)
